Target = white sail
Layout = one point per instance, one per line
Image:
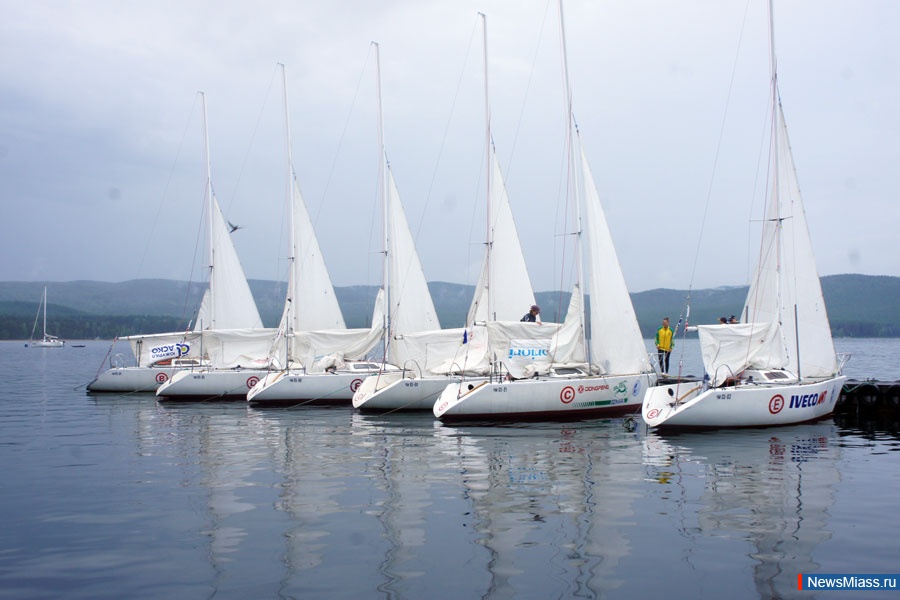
(232, 305)
(412, 309)
(313, 303)
(616, 344)
(503, 284)
(786, 276)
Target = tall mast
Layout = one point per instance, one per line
(45, 313)
(210, 208)
(384, 203)
(573, 179)
(290, 189)
(489, 237)
(777, 218)
(292, 278)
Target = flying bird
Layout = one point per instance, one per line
(232, 226)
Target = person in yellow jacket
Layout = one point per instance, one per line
(665, 341)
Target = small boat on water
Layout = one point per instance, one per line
(778, 365)
(46, 340)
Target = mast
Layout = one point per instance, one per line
(489, 237)
(573, 178)
(210, 208)
(292, 282)
(45, 313)
(776, 190)
(384, 201)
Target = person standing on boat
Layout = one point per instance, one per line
(665, 341)
(533, 315)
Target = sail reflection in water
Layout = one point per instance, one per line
(771, 489)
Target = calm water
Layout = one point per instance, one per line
(119, 497)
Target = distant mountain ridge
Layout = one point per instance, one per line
(858, 305)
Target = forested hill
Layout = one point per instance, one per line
(858, 305)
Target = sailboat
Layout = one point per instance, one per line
(47, 340)
(328, 367)
(778, 365)
(551, 371)
(227, 304)
(430, 360)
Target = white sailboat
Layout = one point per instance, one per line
(227, 305)
(551, 371)
(778, 366)
(47, 340)
(328, 366)
(430, 360)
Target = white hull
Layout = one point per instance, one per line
(689, 405)
(561, 397)
(47, 343)
(297, 387)
(392, 391)
(130, 379)
(213, 384)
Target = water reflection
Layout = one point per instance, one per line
(772, 488)
(552, 499)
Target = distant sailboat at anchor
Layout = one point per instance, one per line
(47, 340)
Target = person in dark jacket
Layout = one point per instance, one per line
(533, 315)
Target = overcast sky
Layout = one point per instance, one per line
(101, 151)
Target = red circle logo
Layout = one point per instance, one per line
(161, 377)
(776, 404)
(652, 413)
(354, 385)
(567, 394)
(251, 381)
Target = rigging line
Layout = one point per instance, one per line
(446, 129)
(165, 193)
(243, 166)
(537, 47)
(203, 206)
(756, 179)
(441, 149)
(718, 148)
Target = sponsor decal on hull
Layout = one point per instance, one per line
(169, 351)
